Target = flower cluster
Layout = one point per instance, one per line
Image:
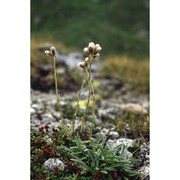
(92, 51)
(51, 52)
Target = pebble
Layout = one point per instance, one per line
(53, 163)
(46, 121)
(116, 142)
(105, 131)
(109, 113)
(48, 139)
(55, 124)
(145, 171)
(32, 111)
(126, 142)
(114, 134)
(35, 106)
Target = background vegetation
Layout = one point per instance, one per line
(120, 26)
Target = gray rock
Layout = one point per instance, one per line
(56, 114)
(145, 170)
(53, 163)
(111, 144)
(55, 124)
(105, 131)
(32, 111)
(35, 122)
(48, 139)
(114, 134)
(109, 113)
(46, 121)
(98, 122)
(127, 154)
(126, 142)
(99, 135)
(35, 106)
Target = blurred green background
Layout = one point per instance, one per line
(120, 26)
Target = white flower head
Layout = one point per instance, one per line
(53, 51)
(92, 51)
(91, 45)
(86, 50)
(87, 59)
(98, 47)
(82, 64)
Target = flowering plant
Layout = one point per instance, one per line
(81, 156)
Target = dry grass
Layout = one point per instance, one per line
(133, 72)
(138, 124)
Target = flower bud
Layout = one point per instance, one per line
(91, 45)
(53, 51)
(86, 50)
(97, 55)
(87, 59)
(98, 48)
(47, 52)
(82, 64)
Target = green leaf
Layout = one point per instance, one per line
(78, 160)
(91, 155)
(104, 172)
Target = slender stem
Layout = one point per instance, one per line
(77, 105)
(88, 100)
(89, 93)
(94, 106)
(57, 95)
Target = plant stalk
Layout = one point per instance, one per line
(77, 105)
(57, 96)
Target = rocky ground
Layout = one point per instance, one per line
(43, 112)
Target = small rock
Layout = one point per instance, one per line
(47, 116)
(35, 122)
(109, 113)
(114, 134)
(48, 139)
(35, 106)
(127, 154)
(126, 142)
(145, 171)
(112, 144)
(100, 135)
(98, 121)
(32, 111)
(53, 163)
(96, 130)
(56, 114)
(116, 142)
(55, 124)
(105, 131)
(46, 121)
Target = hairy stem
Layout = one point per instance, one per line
(94, 106)
(57, 96)
(88, 99)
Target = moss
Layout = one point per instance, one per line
(96, 84)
